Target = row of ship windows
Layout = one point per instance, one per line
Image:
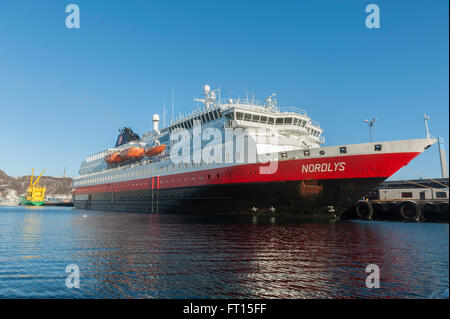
(271, 120)
(167, 180)
(144, 172)
(205, 117)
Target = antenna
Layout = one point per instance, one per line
(371, 123)
(426, 118)
(209, 96)
(172, 104)
(164, 115)
(269, 100)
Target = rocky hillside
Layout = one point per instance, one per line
(12, 188)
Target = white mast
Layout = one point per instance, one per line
(442, 158)
(426, 118)
(210, 96)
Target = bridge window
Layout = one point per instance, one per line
(288, 120)
(255, 118)
(239, 116)
(279, 121)
(270, 120)
(247, 117)
(263, 119)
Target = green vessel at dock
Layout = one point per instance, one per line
(36, 193)
(25, 201)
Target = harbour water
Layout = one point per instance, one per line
(132, 255)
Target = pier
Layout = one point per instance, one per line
(423, 200)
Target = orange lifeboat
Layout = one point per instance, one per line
(132, 153)
(113, 158)
(155, 150)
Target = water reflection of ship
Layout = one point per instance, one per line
(177, 257)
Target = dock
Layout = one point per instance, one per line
(423, 200)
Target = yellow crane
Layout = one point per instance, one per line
(36, 192)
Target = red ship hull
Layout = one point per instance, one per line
(298, 187)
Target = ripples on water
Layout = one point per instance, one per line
(129, 255)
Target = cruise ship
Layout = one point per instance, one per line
(237, 156)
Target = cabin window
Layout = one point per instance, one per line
(441, 194)
(322, 152)
(306, 153)
(378, 147)
(407, 195)
(255, 118)
(343, 150)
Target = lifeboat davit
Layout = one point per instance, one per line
(155, 150)
(113, 158)
(132, 153)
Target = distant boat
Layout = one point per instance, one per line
(36, 192)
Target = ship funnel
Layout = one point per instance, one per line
(155, 122)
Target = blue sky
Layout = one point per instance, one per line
(65, 92)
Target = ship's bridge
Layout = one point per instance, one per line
(287, 121)
(290, 123)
